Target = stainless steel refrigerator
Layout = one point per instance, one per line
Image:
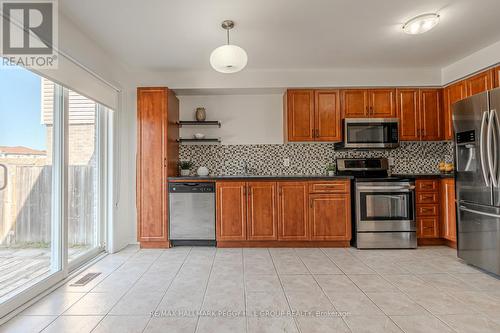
(477, 137)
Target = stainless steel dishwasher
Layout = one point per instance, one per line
(192, 213)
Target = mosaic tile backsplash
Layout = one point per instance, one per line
(310, 159)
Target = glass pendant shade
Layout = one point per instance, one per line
(228, 59)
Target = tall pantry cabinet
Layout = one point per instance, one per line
(157, 157)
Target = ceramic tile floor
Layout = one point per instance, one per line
(281, 290)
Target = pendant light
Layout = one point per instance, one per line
(228, 58)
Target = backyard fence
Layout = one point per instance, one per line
(25, 205)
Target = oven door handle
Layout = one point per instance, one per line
(388, 188)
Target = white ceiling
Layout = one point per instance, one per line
(171, 35)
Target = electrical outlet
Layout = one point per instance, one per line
(286, 162)
(390, 160)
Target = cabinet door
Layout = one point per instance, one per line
(354, 103)
(292, 211)
(231, 211)
(151, 167)
(480, 82)
(448, 210)
(382, 103)
(330, 217)
(408, 109)
(452, 94)
(262, 211)
(497, 77)
(327, 115)
(431, 115)
(300, 115)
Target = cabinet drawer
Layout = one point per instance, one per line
(427, 198)
(427, 210)
(427, 185)
(341, 186)
(428, 227)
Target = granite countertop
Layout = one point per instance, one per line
(279, 177)
(432, 175)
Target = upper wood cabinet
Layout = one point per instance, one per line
(299, 111)
(312, 115)
(362, 103)
(330, 216)
(262, 212)
(480, 82)
(448, 210)
(431, 114)
(382, 103)
(452, 94)
(408, 108)
(497, 77)
(157, 156)
(327, 119)
(355, 103)
(420, 114)
(231, 211)
(292, 211)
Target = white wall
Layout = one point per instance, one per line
(246, 119)
(477, 61)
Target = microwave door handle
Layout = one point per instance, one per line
(481, 149)
(491, 145)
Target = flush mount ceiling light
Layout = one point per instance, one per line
(228, 58)
(421, 24)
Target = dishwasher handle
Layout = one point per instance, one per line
(208, 187)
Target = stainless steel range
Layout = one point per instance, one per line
(384, 206)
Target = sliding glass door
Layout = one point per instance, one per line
(30, 222)
(52, 183)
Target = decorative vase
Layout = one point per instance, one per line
(201, 114)
(202, 171)
(184, 172)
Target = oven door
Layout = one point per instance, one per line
(371, 133)
(385, 207)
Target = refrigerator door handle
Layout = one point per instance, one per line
(496, 130)
(484, 121)
(491, 148)
(465, 209)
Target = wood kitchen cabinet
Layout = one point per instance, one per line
(157, 156)
(299, 111)
(452, 94)
(427, 206)
(373, 103)
(448, 210)
(431, 114)
(292, 211)
(231, 211)
(420, 114)
(497, 76)
(312, 115)
(330, 216)
(480, 82)
(262, 214)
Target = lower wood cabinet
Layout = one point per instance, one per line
(231, 211)
(283, 211)
(292, 211)
(427, 206)
(262, 214)
(448, 210)
(330, 216)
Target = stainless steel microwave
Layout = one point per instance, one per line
(365, 133)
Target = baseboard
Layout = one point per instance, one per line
(154, 245)
(226, 244)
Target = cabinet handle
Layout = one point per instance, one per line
(317, 133)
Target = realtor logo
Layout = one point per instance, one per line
(29, 33)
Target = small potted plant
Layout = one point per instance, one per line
(331, 169)
(185, 167)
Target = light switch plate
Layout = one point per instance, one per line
(286, 162)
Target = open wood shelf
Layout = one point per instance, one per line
(199, 123)
(208, 140)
